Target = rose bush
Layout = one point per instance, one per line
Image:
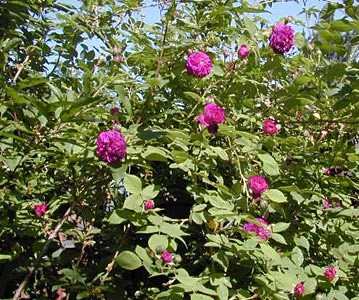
(110, 187)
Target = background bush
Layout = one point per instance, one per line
(63, 69)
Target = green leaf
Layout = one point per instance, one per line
(220, 152)
(279, 238)
(133, 202)
(275, 196)
(157, 241)
(302, 242)
(128, 260)
(5, 257)
(270, 166)
(149, 192)
(279, 227)
(133, 184)
(200, 297)
(155, 154)
(270, 252)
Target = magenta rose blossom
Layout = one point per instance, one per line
(330, 273)
(40, 209)
(213, 114)
(261, 232)
(199, 64)
(258, 184)
(270, 127)
(327, 204)
(299, 289)
(282, 38)
(166, 256)
(111, 146)
(243, 51)
(149, 204)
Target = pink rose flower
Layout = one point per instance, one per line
(330, 273)
(299, 289)
(149, 204)
(199, 64)
(327, 204)
(213, 114)
(327, 171)
(111, 146)
(40, 209)
(270, 127)
(261, 232)
(166, 256)
(258, 184)
(243, 51)
(299, 116)
(282, 38)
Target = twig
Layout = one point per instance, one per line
(19, 69)
(43, 251)
(111, 264)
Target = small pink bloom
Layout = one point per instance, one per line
(149, 204)
(226, 52)
(327, 204)
(270, 127)
(327, 171)
(299, 116)
(243, 51)
(166, 256)
(258, 184)
(296, 73)
(250, 227)
(212, 116)
(199, 64)
(40, 209)
(330, 273)
(299, 289)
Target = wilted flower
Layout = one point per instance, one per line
(149, 204)
(111, 146)
(299, 289)
(114, 110)
(258, 184)
(330, 273)
(40, 209)
(166, 256)
(119, 58)
(212, 116)
(243, 51)
(282, 38)
(199, 64)
(270, 127)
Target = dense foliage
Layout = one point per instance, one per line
(211, 155)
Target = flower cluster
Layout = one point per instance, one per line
(282, 38)
(261, 231)
(199, 64)
(111, 146)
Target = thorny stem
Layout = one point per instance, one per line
(111, 264)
